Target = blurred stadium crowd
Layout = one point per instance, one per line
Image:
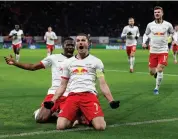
(69, 18)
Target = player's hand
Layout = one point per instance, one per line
(48, 104)
(143, 45)
(129, 33)
(10, 60)
(114, 104)
(15, 34)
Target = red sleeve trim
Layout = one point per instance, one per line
(42, 65)
(64, 78)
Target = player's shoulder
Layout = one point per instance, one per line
(151, 23)
(167, 23)
(136, 27)
(127, 26)
(21, 30)
(58, 56)
(94, 58)
(13, 30)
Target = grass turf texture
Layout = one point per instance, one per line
(21, 92)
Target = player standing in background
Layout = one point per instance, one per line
(90, 42)
(55, 62)
(80, 73)
(169, 40)
(131, 34)
(175, 44)
(16, 35)
(158, 31)
(50, 37)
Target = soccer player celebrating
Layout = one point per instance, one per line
(175, 44)
(158, 31)
(16, 35)
(80, 73)
(131, 34)
(50, 37)
(55, 62)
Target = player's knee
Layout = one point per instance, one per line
(100, 126)
(152, 72)
(99, 123)
(160, 68)
(132, 54)
(63, 123)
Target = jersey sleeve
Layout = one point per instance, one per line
(54, 36)
(171, 29)
(99, 69)
(45, 36)
(21, 32)
(148, 30)
(138, 32)
(124, 32)
(66, 71)
(11, 33)
(46, 62)
(175, 37)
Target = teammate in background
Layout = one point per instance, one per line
(175, 44)
(80, 73)
(16, 35)
(54, 61)
(131, 34)
(90, 42)
(158, 31)
(169, 40)
(50, 37)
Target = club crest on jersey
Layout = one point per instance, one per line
(80, 70)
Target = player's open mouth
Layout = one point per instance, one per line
(81, 47)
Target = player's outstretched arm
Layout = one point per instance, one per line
(59, 92)
(11, 61)
(107, 93)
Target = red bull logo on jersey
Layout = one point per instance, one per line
(80, 70)
(159, 34)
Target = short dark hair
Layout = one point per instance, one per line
(66, 39)
(83, 34)
(158, 8)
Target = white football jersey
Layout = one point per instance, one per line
(16, 39)
(82, 74)
(175, 36)
(54, 61)
(158, 34)
(130, 41)
(48, 36)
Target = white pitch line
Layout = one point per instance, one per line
(88, 128)
(139, 72)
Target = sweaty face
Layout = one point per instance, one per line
(158, 14)
(82, 44)
(69, 46)
(131, 22)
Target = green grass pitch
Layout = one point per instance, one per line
(21, 92)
